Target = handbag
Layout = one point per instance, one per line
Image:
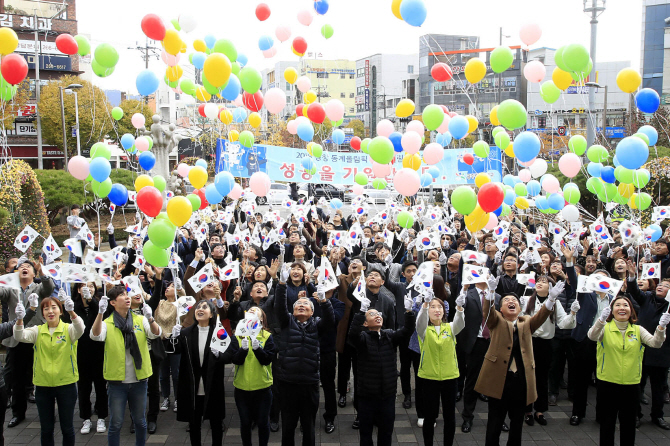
(158, 349)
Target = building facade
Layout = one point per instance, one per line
(653, 46)
(331, 79)
(274, 78)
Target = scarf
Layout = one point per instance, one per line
(129, 338)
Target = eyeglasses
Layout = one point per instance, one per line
(375, 313)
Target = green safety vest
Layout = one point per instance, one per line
(115, 351)
(55, 360)
(438, 354)
(620, 357)
(252, 375)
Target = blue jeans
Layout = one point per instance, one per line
(46, 398)
(135, 395)
(170, 368)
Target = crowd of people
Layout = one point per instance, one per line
(506, 317)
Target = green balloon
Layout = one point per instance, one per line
(236, 68)
(608, 193)
(641, 178)
(643, 137)
(195, 201)
(161, 233)
(464, 200)
(7, 90)
(643, 201)
(250, 79)
(482, 149)
(99, 70)
(576, 57)
(103, 189)
(594, 185)
(572, 195)
(106, 55)
(170, 84)
(577, 145)
(247, 139)
(501, 59)
(512, 114)
(327, 31)
(621, 200)
(100, 150)
(381, 149)
(549, 92)
(317, 150)
(405, 219)
(506, 210)
(432, 116)
(151, 142)
(117, 113)
(558, 59)
(154, 255)
(159, 183)
(597, 154)
(211, 89)
(623, 175)
(83, 44)
(497, 130)
(226, 47)
(361, 179)
(311, 171)
(188, 86)
(520, 190)
(502, 140)
(175, 23)
(379, 183)
(364, 145)
(338, 123)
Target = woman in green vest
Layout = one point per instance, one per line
(619, 357)
(55, 371)
(438, 366)
(253, 379)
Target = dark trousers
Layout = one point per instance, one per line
(585, 361)
(474, 366)
(327, 370)
(563, 352)
(376, 412)
(346, 361)
(299, 401)
(46, 399)
(512, 403)
(405, 355)
(170, 369)
(418, 385)
(433, 391)
(658, 376)
(21, 363)
(215, 423)
(617, 400)
(462, 358)
(275, 409)
(88, 378)
(3, 403)
(254, 406)
(154, 389)
(542, 351)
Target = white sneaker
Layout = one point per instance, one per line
(101, 428)
(86, 428)
(174, 409)
(419, 422)
(166, 405)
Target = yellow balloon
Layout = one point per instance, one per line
(233, 135)
(395, 7)
(179, 210)
(202, 95)
(626, 190)
(142, 181)
(473, 123)
(173, 74)
(509, 151)
(297, 53)
(255, 120)
(200, 45)
(628, 80)
(184, 47)
(9, 41)
(304, 110)
(476, 220)
(309, 148)
(172, 42)
(475, 70)
(291, 75)
(404, 108)
(494, 116)
(197, 176)
(217, 69)
(562, 79)
(481, 179)
(309, 97)
(632, 201)
(412, 161)
(226, 116)
(521, 203)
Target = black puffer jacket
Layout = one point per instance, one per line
(299, 349)
(377, 362)
(651, 309)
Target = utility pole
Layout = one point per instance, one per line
(147, 52)
(594, 8)
(40, 161)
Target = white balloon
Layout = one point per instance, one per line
(211, 110)
(334, 110)
(300, 119)
(538, 168)
(187, 22)
(570, 213)
(304, 84)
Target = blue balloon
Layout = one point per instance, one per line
(526, 146)
(338, 136)
(212, 194)
(395, 138)
(651, 133)
(118, 195)
(336, 203)
(657, 232)
(533, 187)
(147, 160)
(494, 175)
(508, 180)
(198, 60)
(459, 125)
(444, 139)
(239, 114)
(265, 43)
(434, 171)
(307, 163)
(541, 203)
(210, 40)
(147, 82)
(498, 211)
(594, 169)
(616, 162)
(632, 152)
(201, 163)
(413, 12)
(100, 169)
(242, 59)
(231, 90)
(510, 198)
(224, 183)
(607, 174)
(321, 6)
(127, 141)
(305, 131)
(555, 201)
(647, 100)
(426, 180)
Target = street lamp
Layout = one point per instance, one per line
(597, 85)
(594, 8)
(72, 89)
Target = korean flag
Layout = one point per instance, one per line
(25, 238)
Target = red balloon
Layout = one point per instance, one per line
(262, 12)
(153, 27)
(66, 44)
(253, 102)
(298, 109)
(14, 68)
(355, 143)
(490, 197)
(203, 201)
(316, 113)
(201, 110)
(441, 72)
(150, 201)
(469, 159)
(300, 45)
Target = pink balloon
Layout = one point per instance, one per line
(272, 52)
(78, 167)
(569, 165)
(357, 189)
(407, 182)
(304, 84)
(238, 101)
(292, 127)
(334, 110)
(142, 144)
(415, 126)
(452, 114)
(275, 100)
(283, 33)
(305, 17)
(534, 71)
(236, 192)
(550, 184)
(385, 128)
(444, 127)
(493, 222)
(169, 59)
(524, 175)
(530, 33)
(138, 120)
(433, 153)
(259, 183)
(527, 163)
(183, 169)
(411, 142)
(381, 170)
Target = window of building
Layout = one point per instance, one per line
(360, 91)
(351, 95)
(343, 76)
(351, 76)
(360, 72)
(410, 69)
(351, 110)
(423, 62)
(343, 95)
(288, 86)
(322, 75)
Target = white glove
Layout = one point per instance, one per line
(20, 311)
(574, 308)
(555, 291)
(255, 344)
(647, 255)
(408, 303)
(177, 283)
(69, 304)
(388, 260)
(549, 303)
(524, 303)
(245, 344)
(176, 331)
(62, 295)
(321, 293)
(85, 293)
(428, 295)
(365, 304)
(33, 300)
(102, 305)
(365, 242)
(303, 240)
(490, 295)
(631, 252)
(460, 300)
(610, 253)
(284, 275)
(215, 353)
(492, 282)
(146, 310)
(219, 302)
(665, 319)
(443, 258)
(110, 229)
(498, 257)
(524, 267)
(411, 245)
(282, 249)
(605, 314)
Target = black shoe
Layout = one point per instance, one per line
(9, 402)
(564, 385)
(253, 424)
(330, 427)
(505, 427)
(188, 428)
(552, 400)
(151, 427)
(540, 419)
(466, 427)
(638, 422)
(355, 424)
(274, 427)
(31, 397)
(484, 398)
(459, 395)
(644, 400)
(407, 404)
(528, 418)
(575, 420)
(15, 421)
(660, 422)
(342, 402)
(666, 397)
(132, 427)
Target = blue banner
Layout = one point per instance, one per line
(285, 164)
